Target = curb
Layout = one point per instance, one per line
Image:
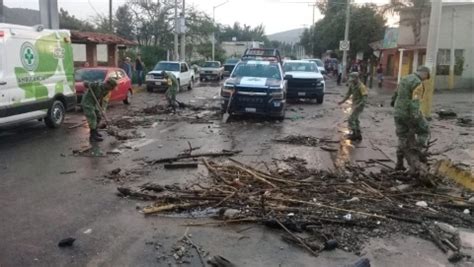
(454, 172)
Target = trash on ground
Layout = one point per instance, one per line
(66, 242)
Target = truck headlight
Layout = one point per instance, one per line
(227, 90)
(149, 77)
(278, 94)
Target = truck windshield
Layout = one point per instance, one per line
(232, 61)
(318, 62)
(90, 75)
(168, 66)
(211, 64)
(300, 66)
(261, 70)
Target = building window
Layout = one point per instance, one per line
(442, 66)
(459, 62)
(444, 59)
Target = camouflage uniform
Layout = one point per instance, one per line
(172, 90)
(89, 105)
(412, 128)
(359, 99)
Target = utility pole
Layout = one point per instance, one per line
(431, 54)
(176, 55)
(452, 60)
(183, 33)
(2, 16)
(214, 24)
(346, 39)
(110, 16)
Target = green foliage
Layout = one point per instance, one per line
(243, 33)
(67, 21)
(366, 26)
(123, 22)
(205, 50)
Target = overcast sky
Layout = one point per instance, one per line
(276, 15)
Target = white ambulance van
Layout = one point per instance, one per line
(36, 75)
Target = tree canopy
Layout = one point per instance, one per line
(366, 25)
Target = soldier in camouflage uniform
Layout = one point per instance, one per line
(173, 89)
(359, 93)
(412, 129)
(91, 108)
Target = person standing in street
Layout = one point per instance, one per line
(127, 67)
(172, 90)
(359, 93)
(380, 75)
(92, 102)
(412, 128)
(139, 68)
(339, 73)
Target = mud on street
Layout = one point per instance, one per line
(179, 189)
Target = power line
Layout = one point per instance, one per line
(93, 8)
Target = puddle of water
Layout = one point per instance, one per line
(137, 143)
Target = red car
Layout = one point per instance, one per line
(123, 92)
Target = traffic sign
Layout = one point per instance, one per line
(344, 45)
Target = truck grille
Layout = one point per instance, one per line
(303, 83)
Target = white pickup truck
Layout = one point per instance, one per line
(184, 74)
(211, 70)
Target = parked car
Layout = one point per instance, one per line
(256, 87)
(123, 92)
(229, 66)
(184, 74)
(304, 80)
(36, 75)
(211, 70)
(320, 65)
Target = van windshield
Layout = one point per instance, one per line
(90, 75)
(168, 66)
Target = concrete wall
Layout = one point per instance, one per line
(236, 49)
(463, 39)
(405, 31)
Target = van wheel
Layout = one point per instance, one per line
(128, 100)
(56, 114)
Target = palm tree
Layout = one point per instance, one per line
(419, 10)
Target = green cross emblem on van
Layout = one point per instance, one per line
(29, 56)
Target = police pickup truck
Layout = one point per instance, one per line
(256, 85)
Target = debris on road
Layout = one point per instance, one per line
(66, 242)
(465, 122)
(67, 172)
(304, 140)
(223, 153)
(316, 202)
(446, 114)
(181, 165)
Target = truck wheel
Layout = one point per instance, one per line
(191, 84)
(56, 114)
(320, 99)
(179, 86)
(149, 89)
(128, 99)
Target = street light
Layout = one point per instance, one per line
(214, 22)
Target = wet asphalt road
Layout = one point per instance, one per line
(47, 194)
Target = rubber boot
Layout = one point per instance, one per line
(94, 137)
(399, 166)
(358, 135)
